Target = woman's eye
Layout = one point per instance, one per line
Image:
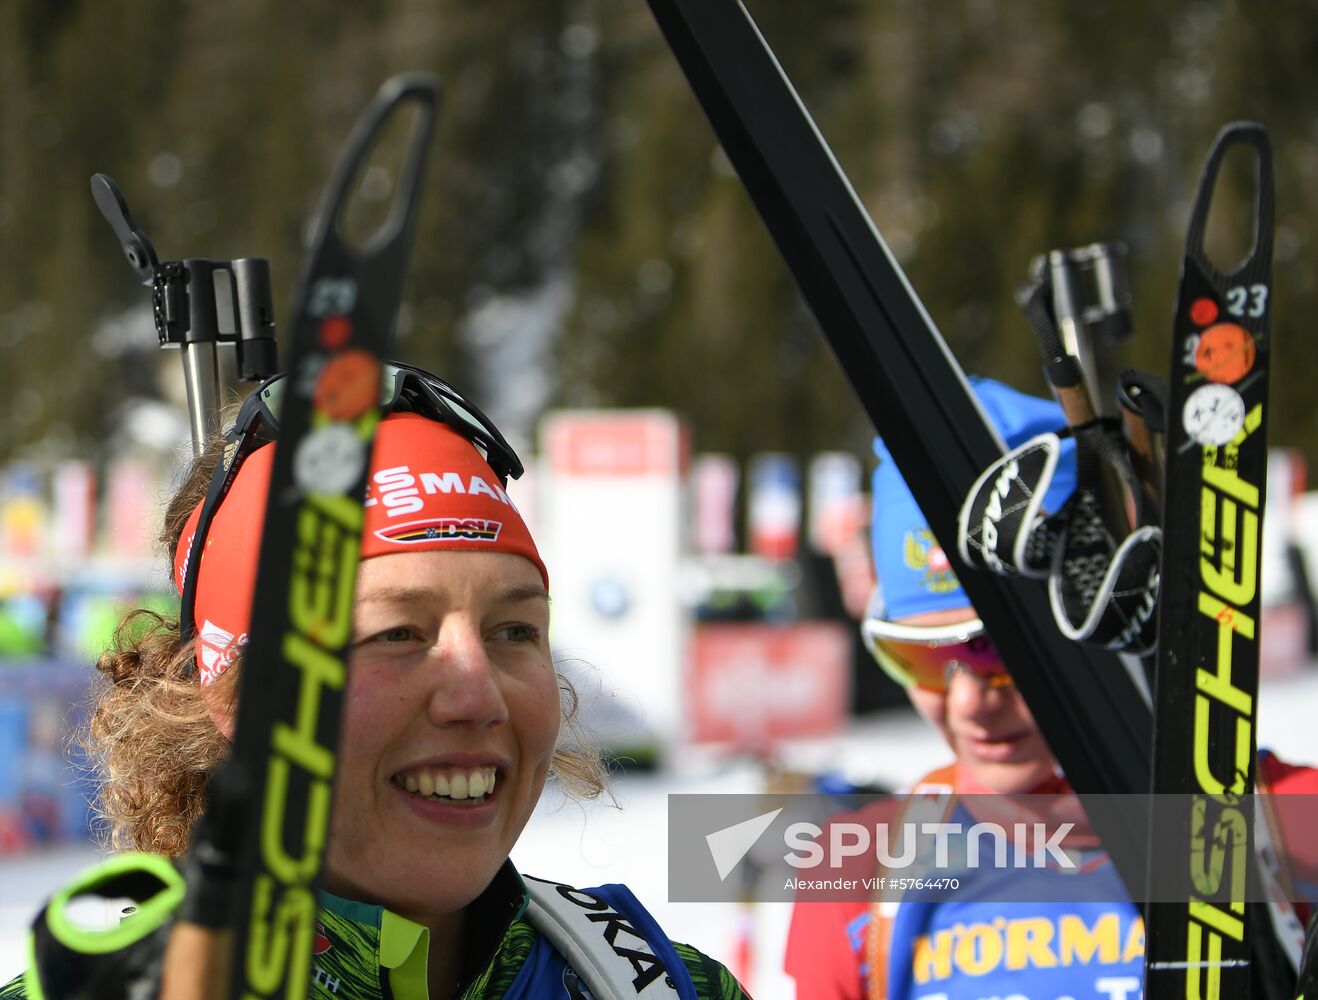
(399, 633)
(518, 633)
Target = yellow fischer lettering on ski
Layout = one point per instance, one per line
(320, 604)
(1228, 569)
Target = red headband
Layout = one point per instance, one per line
(429, 489)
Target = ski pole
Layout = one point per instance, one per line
(1090, 304)
(1102, 548)
(186, 311)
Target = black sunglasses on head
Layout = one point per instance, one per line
(404, 389)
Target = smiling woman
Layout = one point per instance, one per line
(451, 723)
(454, 718)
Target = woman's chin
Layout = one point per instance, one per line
(421, 893)
(409, 875)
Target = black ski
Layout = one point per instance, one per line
(1086, 701)
(276, 785)
(1214, 943)
(240, 919)
(1307, 987)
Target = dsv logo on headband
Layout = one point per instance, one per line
(441, 529)
(400, 491)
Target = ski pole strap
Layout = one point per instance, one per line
(1002, 526)
(1103, 590)
(68, 960)
(1100, 592)
(1102, 579)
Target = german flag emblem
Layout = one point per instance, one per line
(441, 529)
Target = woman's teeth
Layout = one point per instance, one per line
(457, 785)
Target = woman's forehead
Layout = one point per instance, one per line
(409, 576)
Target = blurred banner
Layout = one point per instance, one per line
(23, 512)
(774, 506)
(75, 556)
(837, 506)
(754, 684)
(714, 482)
(45, 788)
(131, 518)
(74, 524)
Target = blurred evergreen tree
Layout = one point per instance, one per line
(583, 241)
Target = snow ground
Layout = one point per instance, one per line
(590, 843)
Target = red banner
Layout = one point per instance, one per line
(753, 684)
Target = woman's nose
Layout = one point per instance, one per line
(466, 689)
(968, 694)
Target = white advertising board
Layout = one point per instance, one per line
(610, 515)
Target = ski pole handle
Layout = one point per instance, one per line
(1067, 376)
(186, 314)
(1142, 398)
(1144, 457)
(71, 960)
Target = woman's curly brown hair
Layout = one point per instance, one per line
(150, 734)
